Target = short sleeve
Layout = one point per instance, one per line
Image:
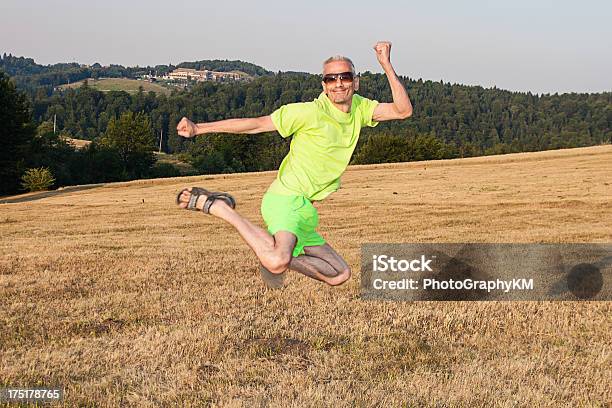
(292, 117)
(367, 106)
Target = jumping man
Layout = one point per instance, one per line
(325, 133)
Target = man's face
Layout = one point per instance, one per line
(339, 91)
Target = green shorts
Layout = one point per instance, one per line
(295, 214)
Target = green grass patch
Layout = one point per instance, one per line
(120, 84)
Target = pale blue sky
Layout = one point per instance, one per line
(537, 45)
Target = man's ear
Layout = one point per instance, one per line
(323, 85)
(356, 83)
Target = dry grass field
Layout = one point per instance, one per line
(120, 84)
(183, 167)
(125, 300)
(77, 143)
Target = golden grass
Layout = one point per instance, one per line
(126, 300)
(77, 143)
(120, 84)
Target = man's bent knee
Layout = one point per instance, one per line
(339, 279)
(277, 263)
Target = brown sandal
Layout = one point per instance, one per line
(211, 196)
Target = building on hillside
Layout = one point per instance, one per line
(190, 74)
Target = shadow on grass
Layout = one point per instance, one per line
(46, 194)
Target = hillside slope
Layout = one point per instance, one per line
(121, 84)
(124, 299)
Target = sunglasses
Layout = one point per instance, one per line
(344, 77)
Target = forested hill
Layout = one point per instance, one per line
(449, 120)
(36, 79)
(470, 118)
(226, 65)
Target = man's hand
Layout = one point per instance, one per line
(186, 128)
(383, 52)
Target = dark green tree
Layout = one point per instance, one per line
(16, 133)
(132, 137)
(96, 164)
(48, 149)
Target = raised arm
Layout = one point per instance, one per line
(187, 128)
(401, 108)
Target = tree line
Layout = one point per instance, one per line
(41, 158)
(465, 120)
(449, 120)
(38, 80)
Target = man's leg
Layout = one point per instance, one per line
(322, 263)
(274, 252)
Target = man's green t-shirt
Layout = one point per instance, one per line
(324, 138)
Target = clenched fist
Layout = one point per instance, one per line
(383, 52)
(186, 128)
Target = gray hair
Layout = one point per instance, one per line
(339, 58)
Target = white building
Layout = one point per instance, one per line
(185, 74)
